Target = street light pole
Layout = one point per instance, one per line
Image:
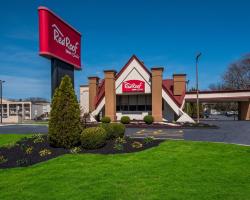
(197, 89)
(1, 96)
(187, 82)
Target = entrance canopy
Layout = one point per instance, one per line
(218, 96)
(240, 96)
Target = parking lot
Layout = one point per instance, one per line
(229, 131)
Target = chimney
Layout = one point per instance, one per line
(110, 95)
(157, 93)
(179, 83)
(93, 87)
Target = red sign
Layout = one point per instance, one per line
(133, 86)
(58, 39)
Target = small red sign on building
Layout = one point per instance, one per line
(58, 39)
(133, 86)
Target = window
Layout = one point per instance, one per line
(133, 103)
(141, 107)
(12, 109)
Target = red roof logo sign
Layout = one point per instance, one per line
(133, 86)
(58, 39)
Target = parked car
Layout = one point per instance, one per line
(231, 113)
(215, 112)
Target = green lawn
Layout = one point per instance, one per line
(8, 139)
(36, 122)
(175, 170)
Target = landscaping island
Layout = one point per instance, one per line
(35, 149)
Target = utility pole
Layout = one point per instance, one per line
(187, 82)
(197, 88)
(1, 96)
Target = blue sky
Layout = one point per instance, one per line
(161, 33)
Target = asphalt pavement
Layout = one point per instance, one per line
(16, 129)
(228, 132)
(237, 132)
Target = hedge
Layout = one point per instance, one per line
(93, 137)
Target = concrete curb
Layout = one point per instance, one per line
(161, 138)
(23, 125)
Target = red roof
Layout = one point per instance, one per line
(218, 91)
(128, 63)
(168, 86)
(100, 92)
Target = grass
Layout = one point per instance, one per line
(9, 139)
(35, 122)
(174, 170)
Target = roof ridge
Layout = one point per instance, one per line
(127, 64)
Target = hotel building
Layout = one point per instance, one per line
(136, 91)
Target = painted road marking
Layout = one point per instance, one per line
(160, 133)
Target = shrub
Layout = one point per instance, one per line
(29, 150)
(3, 159)
(38, 138)
(148, 119)
(75, 150)
(149, 139)
(106, 120)
(118, 130)
(120, 140)
(93, 138)
(22, 146)
(22, 162)
(108, 128)
(64, 123)
(44, 152)
(125, 120)
(113, 130)
(118, 146)
(137, 145)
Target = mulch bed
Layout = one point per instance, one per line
(21, 155)
(162, 126)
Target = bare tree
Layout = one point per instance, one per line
(237, 75)
(217, 86)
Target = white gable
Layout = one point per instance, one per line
(134, 71)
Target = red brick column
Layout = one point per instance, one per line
(179, 83)
(157, 93)
(244, 110)
(93, 87)
(110, 95)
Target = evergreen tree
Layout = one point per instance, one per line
(191, 109)
(64, 123)
(194, 110)
(188, 109)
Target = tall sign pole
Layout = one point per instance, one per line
(61, 43)
(1, 96)
(197, 89)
